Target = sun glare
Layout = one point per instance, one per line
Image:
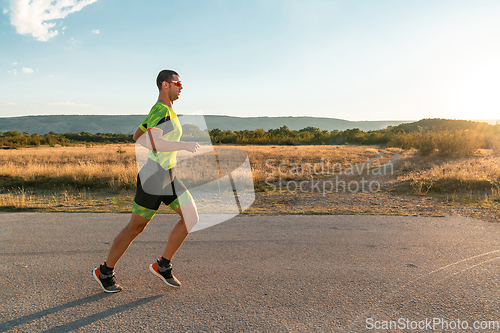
(477, 91)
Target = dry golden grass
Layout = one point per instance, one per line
(117, 165)
(68, 201)
(117, 162)
(114, 162)
(479, 173)
(74, 170)
(483, 166)
(304, 155)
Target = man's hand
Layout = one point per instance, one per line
(191, 147)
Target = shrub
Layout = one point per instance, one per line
(425, 143)
(403, 140)
(458, 143)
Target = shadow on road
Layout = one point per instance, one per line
(80, 322)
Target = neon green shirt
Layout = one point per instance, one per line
(165, 119)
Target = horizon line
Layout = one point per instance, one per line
(288, 116)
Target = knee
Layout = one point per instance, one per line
(190, 220)
(135, 229)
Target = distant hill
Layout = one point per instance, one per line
(127, 124)
(442, 124)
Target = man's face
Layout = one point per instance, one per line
(174, 90)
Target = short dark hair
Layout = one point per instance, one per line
(164, 75)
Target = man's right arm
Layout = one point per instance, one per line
(154, 141)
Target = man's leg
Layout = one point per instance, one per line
(104, 275)
(125, 237)
(189, 217)
(162, 268)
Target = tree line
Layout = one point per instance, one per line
(429, 136)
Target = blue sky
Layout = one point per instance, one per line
(355, 60)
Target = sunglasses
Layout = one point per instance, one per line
(177, 83)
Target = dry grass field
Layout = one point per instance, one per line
(115, 163)
(477, 173)
(103, 178)
(115, 167)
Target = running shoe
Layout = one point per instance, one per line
(164, 273)
(107, 282)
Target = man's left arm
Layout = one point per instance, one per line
(139, 137)
(138, 133)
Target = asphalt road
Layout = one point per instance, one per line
(252, 273)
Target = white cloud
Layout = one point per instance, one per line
(14, 71)
(27, 70)
(5, 11)
(14, 63)
(67, 103)
(31, 17)
(96, 32)
(9, 103)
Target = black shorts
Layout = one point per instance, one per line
(161, 186)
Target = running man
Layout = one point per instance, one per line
(160, 132)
